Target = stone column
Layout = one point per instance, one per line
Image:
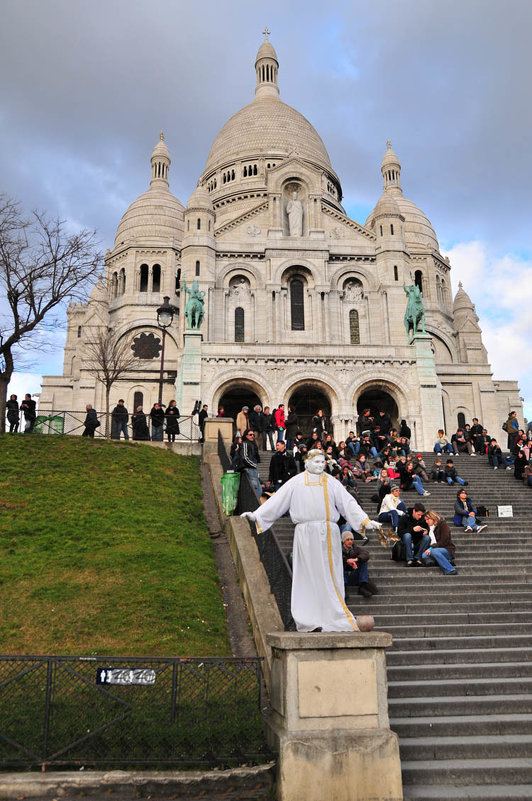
(188, 382)
(430, 392)
(329, 719)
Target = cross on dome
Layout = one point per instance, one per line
(266, 33)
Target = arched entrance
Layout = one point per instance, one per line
(305, 401)
(235, 397)
(378, 400)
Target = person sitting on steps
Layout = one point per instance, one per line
(465, 513)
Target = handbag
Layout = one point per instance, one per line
(399, 551)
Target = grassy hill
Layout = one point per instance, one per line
(104, 549)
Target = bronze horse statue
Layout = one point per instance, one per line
(415, 311)
(194, 305)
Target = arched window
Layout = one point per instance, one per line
(143, 278)
(461, 420)
(418, 279)
(156, 277)
(79, 331)
(122, 281)
(395, 273)
(198, 224)
(297, 307)
(239, 324)
(198, 267)
(354, 327)
(114, 285)
(391, 229)
(138, 400)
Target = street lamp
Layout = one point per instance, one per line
(165, 317)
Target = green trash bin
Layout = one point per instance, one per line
(230, 487)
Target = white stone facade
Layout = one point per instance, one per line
(303, 305)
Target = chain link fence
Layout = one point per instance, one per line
(72, 711)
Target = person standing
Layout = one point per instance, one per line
(172, 421)
(280, 421)
(282, 466)
(512, 429)
(157, 422)
(139, 425)
(250, 459)
(202, 416)
(267, 428)
(13, 415)
(91, 421)
(119, 420)
(28, 406)
(242, 421)
(315, 502)
(292, 428)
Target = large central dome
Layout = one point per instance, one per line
(267, 127)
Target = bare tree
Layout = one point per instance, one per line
(41, 266)
(108, 357)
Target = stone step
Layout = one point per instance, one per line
(442, 706)
(451, 792)
(457, 656)
(454, 618)
(388, 602)
(460, 630)
(462, 747)
(436, 644)
(459, 670)
(460, 725)
(517, 770)
(475, 686)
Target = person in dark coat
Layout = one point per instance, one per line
(202, 416)
(119, 420)
(157, 422)
(91, 422)
(28, 406)
(13, 415)
(414, 532)
(172, 421)
(282, 466)
(355, 560)
(139, 425)
(292, 427)
(442, 551)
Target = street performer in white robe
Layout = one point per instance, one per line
(315, 501)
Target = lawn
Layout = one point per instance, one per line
(104, 549)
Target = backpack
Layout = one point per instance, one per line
(505, 426)
(399, 551)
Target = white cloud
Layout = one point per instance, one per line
(499, 288)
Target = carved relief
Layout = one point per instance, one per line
(353, 291)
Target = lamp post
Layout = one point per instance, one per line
(165, 316)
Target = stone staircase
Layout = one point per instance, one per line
(460, 668)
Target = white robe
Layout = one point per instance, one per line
(315, 503)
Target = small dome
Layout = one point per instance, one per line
(155, 214)
(417, 228)
(266, 50)
(390, 159)
(386, 205)
(160, 148)
(200, 199)
(462, 301)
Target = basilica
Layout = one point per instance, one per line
(301, 304)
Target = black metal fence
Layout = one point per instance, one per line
(73, 423)
(66, 711)
(277, 567)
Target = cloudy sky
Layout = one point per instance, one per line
(86, 86)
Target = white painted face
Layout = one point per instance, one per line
(316, 465)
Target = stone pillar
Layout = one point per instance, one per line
(329, 719)
(430, 393)
(188, 382)
(213, 425)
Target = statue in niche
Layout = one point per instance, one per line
(415, 310)
(194, 305)
(239, 289)
(353, 291)
(294, 209)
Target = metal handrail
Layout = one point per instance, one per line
(72, 422)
